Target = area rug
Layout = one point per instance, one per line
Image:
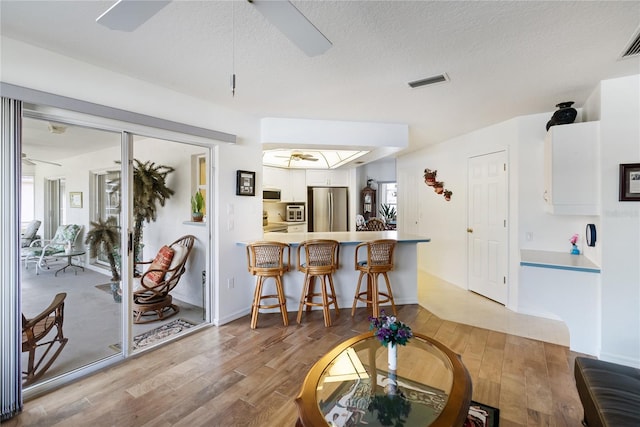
(481, 415)
(158, 334)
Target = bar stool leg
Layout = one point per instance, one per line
(282, 300)
(393, 305)
(303, 297)
(373, 282)
(357, 296)
(325, 301)
(256, 302)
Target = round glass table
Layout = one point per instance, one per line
(351, 385)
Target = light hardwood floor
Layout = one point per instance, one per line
(235, 376)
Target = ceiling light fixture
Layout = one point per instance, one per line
(429, 81)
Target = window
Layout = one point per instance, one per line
(107, 200)
(27, 209)
(200, 178)
(388, 194)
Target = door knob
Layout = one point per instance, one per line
(469, 230)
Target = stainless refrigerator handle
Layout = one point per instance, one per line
(330, 211)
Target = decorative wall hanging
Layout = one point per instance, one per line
(75, 199)
(630, 182)
(245, 183)
(438, 186)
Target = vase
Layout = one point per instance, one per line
(575, 250)
(392, 356)
(116, 292)
(564, 115)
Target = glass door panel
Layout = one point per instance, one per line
(61, 158)
(162, 212)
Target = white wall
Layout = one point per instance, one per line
(620, 230)
(618, 248)
(236, 218)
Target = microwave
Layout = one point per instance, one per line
(271, 194)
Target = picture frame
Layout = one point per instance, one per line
(245, 183)
(629, 182)
(75, 199)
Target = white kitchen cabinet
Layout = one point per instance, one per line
(290, 182)
(328, 178)
(298, 185)
(571, 169)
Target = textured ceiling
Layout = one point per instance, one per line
(504, 59)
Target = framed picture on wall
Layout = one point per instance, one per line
(245, 183)
(75, 199)
(629, 182)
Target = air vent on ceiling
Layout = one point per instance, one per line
(634, 46)
(429, 81)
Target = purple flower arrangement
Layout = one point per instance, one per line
(388, 329)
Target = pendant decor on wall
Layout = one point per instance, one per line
(438, 186)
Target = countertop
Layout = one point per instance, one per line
(557, 260)
(344, 237)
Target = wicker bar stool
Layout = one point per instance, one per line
(379, 261)
(265, 260)
(321, 259)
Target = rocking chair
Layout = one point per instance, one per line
(36, 333)
(152, 297)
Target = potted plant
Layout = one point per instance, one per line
(197, 204)
(388, 212)
(430, 177)
(104, 236)
(447, 194)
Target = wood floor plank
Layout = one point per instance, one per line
(235, 376)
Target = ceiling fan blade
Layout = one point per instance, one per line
(27, 162)
(127, 15)
(293, 24)
(44, 161)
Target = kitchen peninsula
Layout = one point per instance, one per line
(404, 277)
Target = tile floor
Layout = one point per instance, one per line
(451, 302)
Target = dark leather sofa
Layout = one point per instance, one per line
(610, 393)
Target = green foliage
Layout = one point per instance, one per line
(149, 190)
(105, 236)
(197, 202)
(388, 212)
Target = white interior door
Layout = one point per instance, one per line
(487, 226)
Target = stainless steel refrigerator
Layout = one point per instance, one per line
(328, 209)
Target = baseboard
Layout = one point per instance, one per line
(231, 317)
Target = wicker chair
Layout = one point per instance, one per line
(379, 261)
(152, 299)
(321, 259)
(37, 332)
(375, 224)
(265, 260)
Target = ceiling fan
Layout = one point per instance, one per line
(31, 162)
(127, 15)
(300, 156)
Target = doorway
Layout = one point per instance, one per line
(487, 225)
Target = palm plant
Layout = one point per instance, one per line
(149, 190)
(388, 212)
(105, 236)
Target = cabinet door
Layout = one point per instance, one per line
(298, 183)
(571, 169)
(328, 178)
(296, 228)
